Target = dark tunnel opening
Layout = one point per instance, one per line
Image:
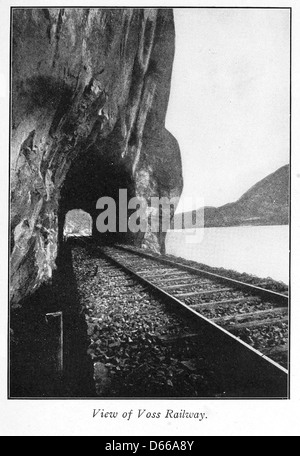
(98, 174)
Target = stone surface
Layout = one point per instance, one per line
(90, 90)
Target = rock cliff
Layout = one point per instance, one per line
(90, 90)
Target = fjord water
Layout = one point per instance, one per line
(259, 250)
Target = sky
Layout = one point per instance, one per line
(229, 103)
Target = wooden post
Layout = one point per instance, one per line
(55, 323)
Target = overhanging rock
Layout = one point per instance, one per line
(90, 90)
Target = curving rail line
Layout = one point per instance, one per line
(228, 313)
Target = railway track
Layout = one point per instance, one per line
(246, 326)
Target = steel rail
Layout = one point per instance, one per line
(266, 294)
(249, 367)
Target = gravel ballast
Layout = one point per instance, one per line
(129, 333)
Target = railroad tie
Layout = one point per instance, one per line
(155, 272)
(185, 284)
(213, 304)
(203, 292)
(174, 278)
(238, 318)
(257, 324)
(159, 275)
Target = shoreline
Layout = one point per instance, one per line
(264, 282)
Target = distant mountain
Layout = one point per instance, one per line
(266, 203)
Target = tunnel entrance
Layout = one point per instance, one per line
(77, 223)
(99, 172)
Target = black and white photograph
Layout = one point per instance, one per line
(149, 208)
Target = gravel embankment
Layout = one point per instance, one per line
(130, 333)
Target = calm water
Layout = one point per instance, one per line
(259, 250)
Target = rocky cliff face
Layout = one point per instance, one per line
(90, 90)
